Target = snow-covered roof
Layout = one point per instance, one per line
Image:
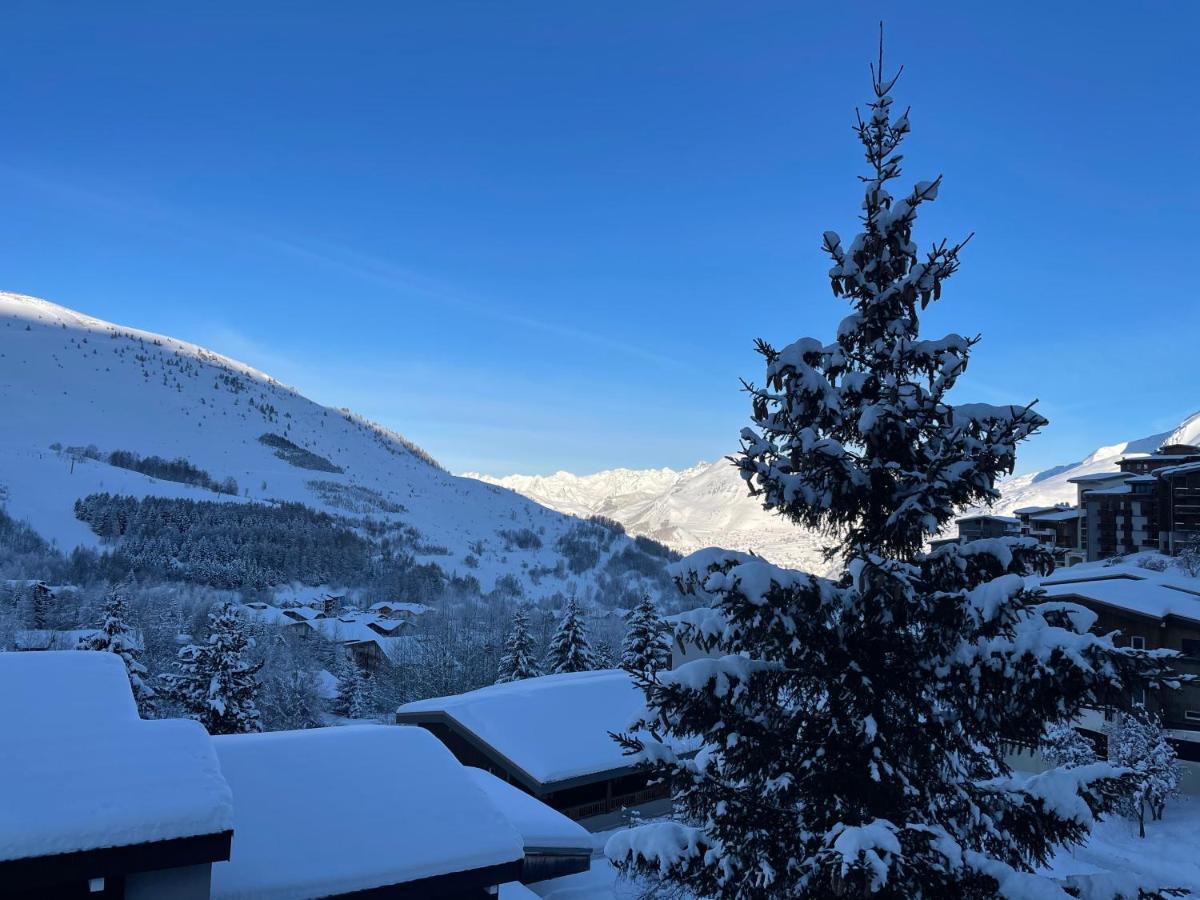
(540, 826)
(86, 773)
(1128, 587)
(1100, 476)
(1178, 470)
(419, 815)
(1008, 520)
(1061, 515)
(552, 728)
(414, 609)
(1029, 510)
(1114, 491)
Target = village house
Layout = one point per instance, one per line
(582, 772)
(1148, 610)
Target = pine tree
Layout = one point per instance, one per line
(644, 650)
(345, 671)
(569, 650)
(358, 703)
(116, 636)
(1063, 745)
(854, 730)
(1137, 742)
(603, 656)
(518, 661)
(215, 685)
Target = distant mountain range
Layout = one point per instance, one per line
(708, 504)
(88, 407)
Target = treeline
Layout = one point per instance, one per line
(178, 469)
(226, 545)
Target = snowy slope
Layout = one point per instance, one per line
(704, 506)
(72, 380)
(707, 505)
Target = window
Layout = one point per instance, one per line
(1192, 715)
(1191, 647)
(1139, 696)
(1137, 642)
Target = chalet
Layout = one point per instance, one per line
(99, 802)
(549, 736)
(1149, 610)
(373, 642)
(396, 610)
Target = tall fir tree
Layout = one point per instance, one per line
(854, 730)
(215, 684)
(645, 649)
(345, 671)
(115, 635)
(518, 661)
(569, 650)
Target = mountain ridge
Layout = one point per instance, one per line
(76, 389)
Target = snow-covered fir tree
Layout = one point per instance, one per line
(1063, 745)
(853, 731)
(116, 635)
(1137, 742)
(215, 684)
(346, 672)
(645, 649)
(359, 702)
(603, 656)
(569, 649)
(518, 661)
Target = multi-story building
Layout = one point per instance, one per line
(1125, 511)
(1179, 506)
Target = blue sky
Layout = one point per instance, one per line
(540, 236)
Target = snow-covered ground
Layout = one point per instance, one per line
(1169, 854)
(70, 380)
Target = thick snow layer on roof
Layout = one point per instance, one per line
(84, 772)
(299, 834)
(1129, 587)
(554, 727)
(540, 826)
(57, 689)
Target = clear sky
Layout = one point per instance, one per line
(541, 236)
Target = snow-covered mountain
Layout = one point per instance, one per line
(708, 505)
(69, 382)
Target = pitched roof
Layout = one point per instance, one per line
(419, 815)
(554, 728)
(92, 775)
